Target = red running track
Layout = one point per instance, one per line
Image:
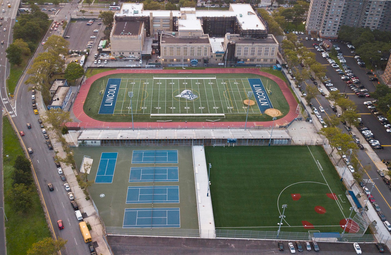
(88, 122)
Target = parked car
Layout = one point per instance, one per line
(67, 187)
(291, 248)
(380, 247)
(357, 248)
(316, 246)
(50, 186)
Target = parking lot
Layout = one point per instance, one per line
(368, 118)
(79, 34)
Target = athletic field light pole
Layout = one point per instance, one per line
(209, 183)
(271, 133)
(282, 216)
(130, 94)
(347, 222)
(249, 95)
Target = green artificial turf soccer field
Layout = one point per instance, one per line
(250, 184)
(223, 94)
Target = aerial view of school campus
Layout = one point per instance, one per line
(196, 127)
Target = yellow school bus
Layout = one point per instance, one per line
(85, 232)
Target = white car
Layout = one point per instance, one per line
(351, 168)
(368, 103)
(59, 170)
(71, 196)
(321, 109)
(315, 110)
(43, 131)
(333, 89)
(308, 246)
(334, 65)
(366, 191)
(291, 248)
(357, 248)
(66, 186)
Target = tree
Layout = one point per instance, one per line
(331, 134)
(56, 45)
(21, 177)
(318, 69)
(47, 246)
(170, 6)
(14, 54)
(23, 46)
(20, 197)
(22, 163)
(73, 72)
(351, 117)
(312, 92)
(108, 18)
(334, 96)
(346, 104)
(381, 91)
(332, 120)
(57, 118)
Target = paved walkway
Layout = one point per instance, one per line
(88, 122)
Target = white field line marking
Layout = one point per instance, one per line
(320, 171)
(279, 195)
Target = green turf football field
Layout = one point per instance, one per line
(216, 94)
(249, 185)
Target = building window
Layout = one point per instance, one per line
(245, 52)
(192, 51)
(252, 51)
(239, 51)
(164, 51)
(205, 51)
(171, 51)
(198, 51)
(185, 51)
(178, 51)
(259, 52)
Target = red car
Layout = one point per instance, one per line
(60, 225)
(371, 199)
(21, 133)
(349, 82)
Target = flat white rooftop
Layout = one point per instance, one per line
(217, 44)
(245, 14)
(182, 134)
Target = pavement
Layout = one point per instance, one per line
(87, 208)
(3, 247)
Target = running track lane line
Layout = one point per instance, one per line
(88, 122)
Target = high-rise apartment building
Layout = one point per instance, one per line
(325, 17)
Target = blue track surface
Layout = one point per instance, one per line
(106, 168)
(152, 194)
(155, 157)
(154, 174)
(109, 99)
(260, 95)
(152, 218)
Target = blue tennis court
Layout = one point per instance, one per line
(155, 157)
(152, 194)
(105, 173)
(152, 218)
(154, 174)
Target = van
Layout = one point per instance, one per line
(79, 217)
(92, 37)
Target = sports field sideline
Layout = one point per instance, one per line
(184, 96)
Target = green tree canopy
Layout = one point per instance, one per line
(14, 54)
(20, 197)
(73, 72)
(23, 46)
(108, 17)
(22, 163)
(47, 246)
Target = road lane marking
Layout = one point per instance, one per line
(373, 183)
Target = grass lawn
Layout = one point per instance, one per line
(22, 230)
(224, 94)
(250, 185)
(13, 78)
(92, 71)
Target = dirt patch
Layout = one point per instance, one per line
(296, 197)
(320, 209)
(332, 196)
(307, 225)
(273, 112)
